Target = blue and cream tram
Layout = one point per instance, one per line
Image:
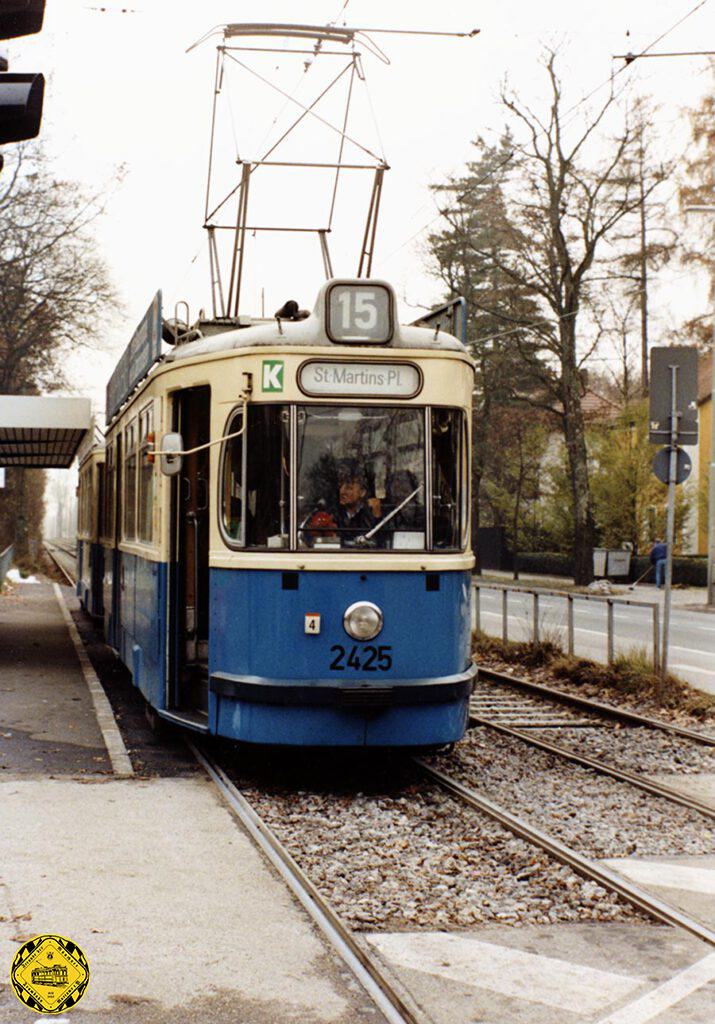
(286, 527)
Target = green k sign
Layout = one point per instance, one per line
(272, 375)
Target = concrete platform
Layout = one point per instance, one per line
(178, 914)
(47, 720)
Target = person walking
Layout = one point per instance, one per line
(658, 556)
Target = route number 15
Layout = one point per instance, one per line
(359, 313)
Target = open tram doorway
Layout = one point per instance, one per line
(189, 587)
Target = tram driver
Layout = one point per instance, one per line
(354, 513)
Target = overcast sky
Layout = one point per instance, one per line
(122, 91)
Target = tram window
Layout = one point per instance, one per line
(146, 476)
(130, 482)
(447, 433)
(361, 478)
(267, 481)
(100, 498)
(109, 495)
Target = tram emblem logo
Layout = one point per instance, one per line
(272, 375)
(49, 974)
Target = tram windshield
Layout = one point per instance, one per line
(361, 479)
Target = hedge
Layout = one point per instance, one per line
(546, 563)
(688, 570)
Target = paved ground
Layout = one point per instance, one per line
(692, 638)
(178, 914)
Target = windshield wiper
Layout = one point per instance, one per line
(378, 526)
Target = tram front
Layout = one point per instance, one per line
(340, 591)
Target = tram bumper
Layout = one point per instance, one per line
(405, 712)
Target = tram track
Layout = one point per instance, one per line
(598, 709)
(363, 965)
(583, 866)
(513, 706)
(52, 550)
(393, 1002)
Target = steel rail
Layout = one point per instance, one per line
(589, 869)
(602, 767)
(70, 579)
(364, 967)
(597, 707)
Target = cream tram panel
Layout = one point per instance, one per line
(445, 380)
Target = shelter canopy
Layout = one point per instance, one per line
(42, 432)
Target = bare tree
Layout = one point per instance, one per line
(55, 296)
(698, 187)
(565, 202)
(55, 293)
(654, 237)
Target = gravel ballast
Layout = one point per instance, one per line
(406, 856)
(598, 816)
(635, 749)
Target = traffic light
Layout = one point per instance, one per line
(21, 95)
(20, 17)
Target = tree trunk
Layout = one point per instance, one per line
(575, 437)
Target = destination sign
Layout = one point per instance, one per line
(358, 380)
(139, 356)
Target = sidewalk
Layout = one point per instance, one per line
(177, 912)
(692, 598)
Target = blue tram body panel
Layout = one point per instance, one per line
(140, 629)
(90, 575)
(301, 684)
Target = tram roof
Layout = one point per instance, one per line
(41, 432)
(308, 333)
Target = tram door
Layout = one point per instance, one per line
(190, 603)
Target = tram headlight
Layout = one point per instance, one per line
(363, 620)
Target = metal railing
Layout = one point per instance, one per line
(5, 563)
(569, 598)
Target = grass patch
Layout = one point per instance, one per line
(631, 674)
(527, 653)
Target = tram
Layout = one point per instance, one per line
(285, 528)
(284, 525)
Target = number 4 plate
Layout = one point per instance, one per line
(312, 623)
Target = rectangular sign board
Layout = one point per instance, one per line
(359, 380)
(451, 317)
(685, 357)
(139, 356)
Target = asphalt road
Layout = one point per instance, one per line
(692, 634)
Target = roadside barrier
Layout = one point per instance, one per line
(570, 598)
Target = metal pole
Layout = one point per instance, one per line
(504, 616)
(535, 623)
(656, 644)
(610, 631)
(670, 528)
(477, 609)
(570, 623)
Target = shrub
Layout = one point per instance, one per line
(546, 563)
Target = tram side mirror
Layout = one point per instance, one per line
(171, 464)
